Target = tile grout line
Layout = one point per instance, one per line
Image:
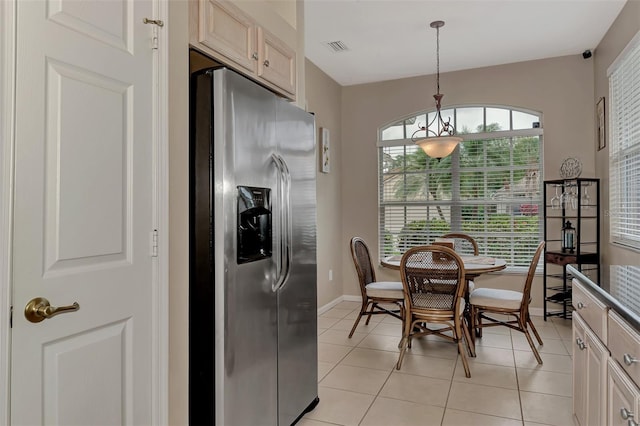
(446, 403)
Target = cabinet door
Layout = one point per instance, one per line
(596, 374)
(622, 397)
(277, 63)
(228, 31)
(579, 370)
(589, 375)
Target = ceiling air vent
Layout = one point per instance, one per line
(337, 46)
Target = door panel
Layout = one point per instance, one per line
(103, 355)
(83, 212)
(107, 21)
(86, 165)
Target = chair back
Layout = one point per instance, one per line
(432, 278)
(526, 292)
(362, 261)
(464, 243)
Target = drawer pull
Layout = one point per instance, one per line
(580, 305)
(625, 414)
(629, 360)
(581, 344)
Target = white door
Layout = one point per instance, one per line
(83, 213)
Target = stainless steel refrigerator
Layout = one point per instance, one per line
(253, 304)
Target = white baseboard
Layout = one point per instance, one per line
(536, 312)
(334, 302)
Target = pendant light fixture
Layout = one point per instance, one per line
(439, 140)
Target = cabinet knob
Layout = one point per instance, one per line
(580, 305)
(266, 63)
(254, 56)
(581, 344)
(625, 414)
(629, 360)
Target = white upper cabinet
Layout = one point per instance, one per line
(223, 31)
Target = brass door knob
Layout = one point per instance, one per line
(39, 309)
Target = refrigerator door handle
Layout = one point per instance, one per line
(284, 255)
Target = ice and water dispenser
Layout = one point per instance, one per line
(254, 224)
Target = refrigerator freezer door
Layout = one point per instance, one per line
(297, 297)
(246, 321)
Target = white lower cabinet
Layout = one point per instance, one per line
(589, 375)
(622, 397)
(606, 365)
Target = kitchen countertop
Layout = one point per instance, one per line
(619, 289)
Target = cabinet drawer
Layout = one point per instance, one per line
(622, 399)
(624, 344)
(592, 311)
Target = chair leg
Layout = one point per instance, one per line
(533, 328)
(473, 318)
(471, 345)
(478, 318)
(403, 324)
(461, 350)
(363, 309)
(533, 346)
(404, 342)
(373, 305)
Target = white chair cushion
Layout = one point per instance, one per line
(496, 298)
(471, 286)
(388, 289)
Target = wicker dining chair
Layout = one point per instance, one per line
(486, 301)
(375, 293)
(434, 285)
(465, 244)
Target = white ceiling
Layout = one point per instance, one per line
(390, 39)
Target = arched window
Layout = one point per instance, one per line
(490, 187)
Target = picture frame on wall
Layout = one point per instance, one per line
(325, 149)
(601, 121)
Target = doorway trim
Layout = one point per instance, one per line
(160, 302)
(7, 108)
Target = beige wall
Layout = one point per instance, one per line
(178, 212)
(560, 88)
(621, 32)
(323, 99)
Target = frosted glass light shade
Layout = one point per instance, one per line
(439, 147)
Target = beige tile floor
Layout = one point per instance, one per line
(359, 385)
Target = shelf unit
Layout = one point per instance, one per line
(578, 201)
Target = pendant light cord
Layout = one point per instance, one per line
(438, 58)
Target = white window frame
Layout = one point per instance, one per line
(381, 144)
(624, 146)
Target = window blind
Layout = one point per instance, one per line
(488, 188)
(624, 147)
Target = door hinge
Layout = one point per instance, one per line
(157, 23)
(154, 243)
(11, 316)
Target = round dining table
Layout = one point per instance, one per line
(474, 266)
